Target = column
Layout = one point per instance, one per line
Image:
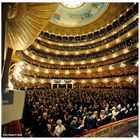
(66, 86)
(51, 86)
(72, 86)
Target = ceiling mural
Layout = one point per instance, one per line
(84, 14)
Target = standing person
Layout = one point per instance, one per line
(42, 124)
(48, 132)
(75, 127)
(59, 129)
(89, 121)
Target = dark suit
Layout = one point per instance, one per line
(74, 128)
(107, 119)
(90, 122)
(48, 134)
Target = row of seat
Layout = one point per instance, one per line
(90, 46)
(91, 36)
(51, 56)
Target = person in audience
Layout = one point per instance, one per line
(48, 132)
(75, 127)
(102, 118)
(114, 114)
(90, 121)
(106, 111)
(59, 129)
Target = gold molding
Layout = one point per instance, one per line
(93, 70)
(38, 80)
(103, 47)
(38, 58)
(92, 41)
(22, 25)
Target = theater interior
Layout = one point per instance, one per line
(69, 69)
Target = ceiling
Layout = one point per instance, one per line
(106, 13)
(27, 20)
(84, 14)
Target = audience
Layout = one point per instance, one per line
(129, 42)
(96, 44)
(109, 28)
(133, 55)
(78, 109)
(59, 129)
(127, 71)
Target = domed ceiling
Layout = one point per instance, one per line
(84, 18)
(78, 15)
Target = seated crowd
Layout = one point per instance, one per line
(127, 71)
(97, 34)
(133, 55)
(51, 56)
(96, 44)
(71, 112)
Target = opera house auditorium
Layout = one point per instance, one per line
(69, 69)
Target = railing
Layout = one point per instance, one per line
(112, 129)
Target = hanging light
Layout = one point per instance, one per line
(76, 53)
(130, 79)
(46, 71)
(20, 63)
(100, 70)
(66, 53)
(57, 52)
(72, 63)
(136, 64)
(94, 81)
(37, 70)
(111, 68)
(82, 62)
(42, 81)
(122, 65)
(33, 57)
(97, 49)
(83, 81)
(117, 80)
(77, 72)
(87, 52)
(107, 45)
(52, 62)
(62, 63)
(114, 55)
(57, 72)
(105, 80)
(125, 51)
(88, 71)
(67, 72)
(28, 67)
(104, 58)
(42, 60)
(33, 81)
